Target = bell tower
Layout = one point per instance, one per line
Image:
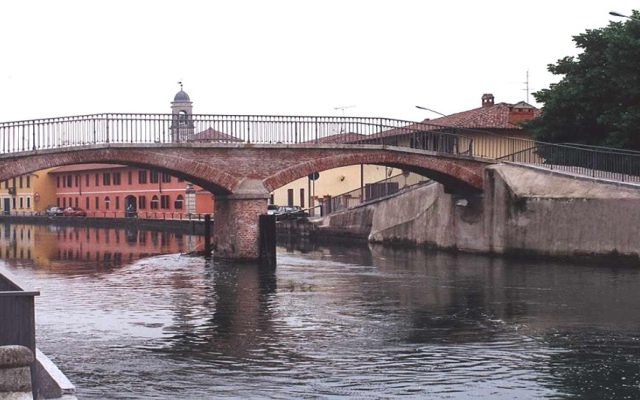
(182, 120)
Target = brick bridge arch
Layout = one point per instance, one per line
(456, 174)
(222, 169)
(241, 176)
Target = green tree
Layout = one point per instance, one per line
(597, 102)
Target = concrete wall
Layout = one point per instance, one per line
(522, 211)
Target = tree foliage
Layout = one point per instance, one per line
(597, 101)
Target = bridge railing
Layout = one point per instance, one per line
(94, 129)
(598, 162)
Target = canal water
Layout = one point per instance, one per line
(130, 315)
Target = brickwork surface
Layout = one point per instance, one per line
(222, 169)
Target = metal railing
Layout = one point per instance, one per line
(597, 162)
(172, 215)
(96, 129)
(86, 130)
(371, 191)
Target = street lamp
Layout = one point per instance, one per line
(617, 14)
(428, 109)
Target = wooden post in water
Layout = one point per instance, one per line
(207, 235)
(267, 240)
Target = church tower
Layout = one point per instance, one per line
(182, 120)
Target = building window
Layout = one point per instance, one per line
(154, 203)
(179, 202)
(86, 202)
(154, 177)
(116, 178)
(107, 201)
(142, 176)
(28, 202)
(86, 180)
(117, 202)
(77, 180)
(76, 201)
(97, 179)
(130, 178)
(166, 178)
(289, 197)
(164, 201)
(106, 179)
(69, 180)
(21, 202)
(28, 181)
(97, 203)
(20, 182)
(142, 202)
(57, 182)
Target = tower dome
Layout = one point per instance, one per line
(181, 96)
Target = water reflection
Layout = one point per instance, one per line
(330, 321)
(64, 248)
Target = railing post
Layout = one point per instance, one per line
(34, 140)
(106, 118)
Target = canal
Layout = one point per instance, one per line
(130, 315)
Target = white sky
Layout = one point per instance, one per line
(283, 57)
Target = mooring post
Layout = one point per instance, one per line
(207, 234)
(267, 240)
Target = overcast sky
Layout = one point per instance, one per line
(276, 57)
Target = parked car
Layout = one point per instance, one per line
(290, 212)
(74, 212)
(272, 209)
(53, 211)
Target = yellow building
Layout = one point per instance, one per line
(494, 129)
(28, 193)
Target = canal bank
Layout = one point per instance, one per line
(522, 212)
(186, 226)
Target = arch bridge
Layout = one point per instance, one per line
(242, 159)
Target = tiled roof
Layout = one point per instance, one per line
(492, 117)
(338, 138)
(83, 167)
(211, 135)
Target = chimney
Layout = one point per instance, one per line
(487, 100)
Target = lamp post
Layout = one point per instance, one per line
(433, 111)
(617, 14)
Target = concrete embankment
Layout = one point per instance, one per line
(523, 211)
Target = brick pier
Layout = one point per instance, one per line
(236, 225)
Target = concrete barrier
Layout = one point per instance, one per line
(15, 373)
(51, 382)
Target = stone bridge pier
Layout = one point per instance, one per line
(236, 229)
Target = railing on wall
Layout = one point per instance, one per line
(371, 191)
(598, 162)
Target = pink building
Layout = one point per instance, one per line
(108, 190)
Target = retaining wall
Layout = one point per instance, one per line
(523, 211)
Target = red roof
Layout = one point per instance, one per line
(498, 116)
(82, 167)
(338, 138)
(212, 135)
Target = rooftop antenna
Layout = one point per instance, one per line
(527, 86)
(180, 83)
(342, 108)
